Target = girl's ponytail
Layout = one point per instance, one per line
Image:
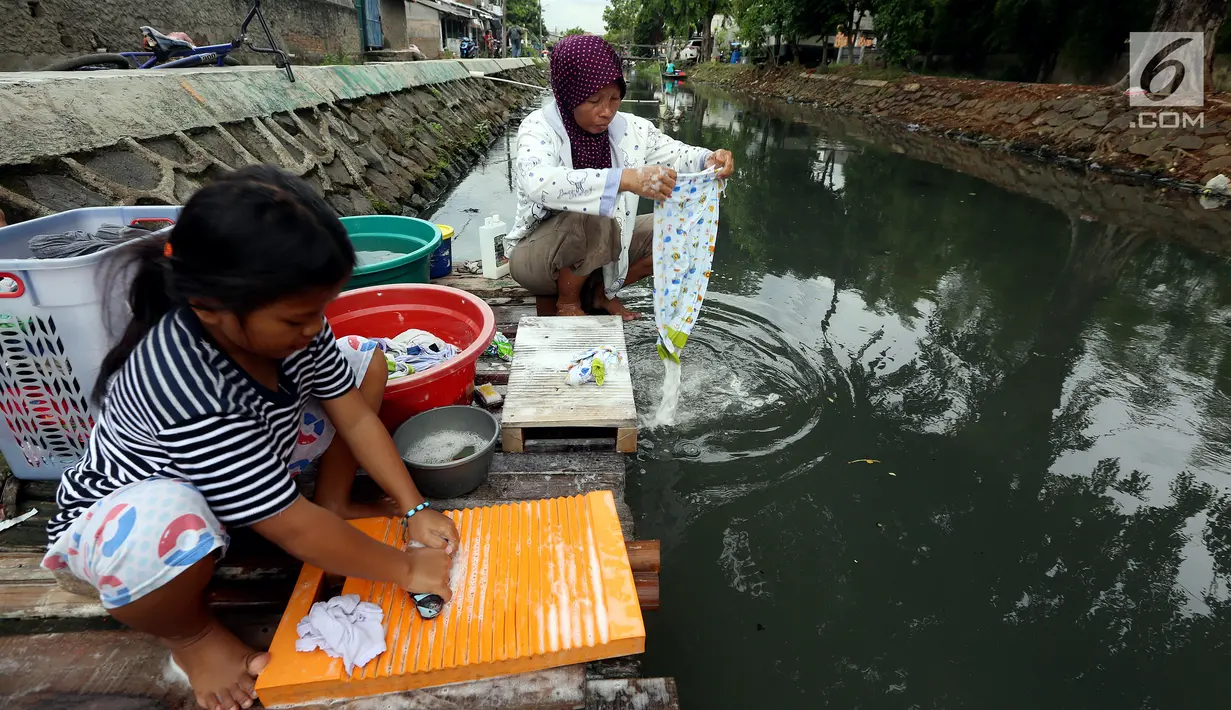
(146, 263)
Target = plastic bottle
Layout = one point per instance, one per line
(491, 247)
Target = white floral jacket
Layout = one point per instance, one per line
(547, 183)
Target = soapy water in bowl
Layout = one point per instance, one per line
(375, 256)
(445, 446)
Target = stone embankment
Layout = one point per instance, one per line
(379, 138)
(1081, 126)
(1097, 200)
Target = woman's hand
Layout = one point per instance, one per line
(433, 529)
(653, 182)
(429, 572)
(723, 161)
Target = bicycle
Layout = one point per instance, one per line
(163, 52)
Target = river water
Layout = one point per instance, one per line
(953, 432)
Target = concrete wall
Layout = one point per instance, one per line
(423, 28)
(37, 32)
(393, 23)
(379, 138)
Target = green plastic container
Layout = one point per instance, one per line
(414, 239)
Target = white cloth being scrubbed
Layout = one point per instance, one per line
(345, 628)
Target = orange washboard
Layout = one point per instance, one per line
(544, 583)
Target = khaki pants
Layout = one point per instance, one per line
(580, 242)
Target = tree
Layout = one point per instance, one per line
(620, 19)
(634, 22)
(903, 25)
(1204, 16)
(573, 31)
(683, 17)
(524, 13)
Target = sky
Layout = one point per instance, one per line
(566, 14)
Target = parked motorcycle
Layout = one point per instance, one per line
(469, 48)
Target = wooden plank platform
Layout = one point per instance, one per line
(632, 694)
(540, 404)
(250, 582)
(122, 669)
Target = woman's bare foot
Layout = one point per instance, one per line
(616, 307)
(221, 669)
(569, 309)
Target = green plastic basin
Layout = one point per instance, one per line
(414, 239)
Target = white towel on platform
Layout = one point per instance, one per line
(345, 628)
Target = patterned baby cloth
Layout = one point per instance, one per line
(410, 352)
(685, 229)
(593, 365)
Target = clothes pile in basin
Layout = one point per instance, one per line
(65, 245)
(412, 351)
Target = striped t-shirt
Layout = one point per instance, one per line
(180, 408)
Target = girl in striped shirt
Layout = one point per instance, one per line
(226, 379)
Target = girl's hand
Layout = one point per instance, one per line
(653, 182)
(433, 529)
(723, 161)
(429, 571)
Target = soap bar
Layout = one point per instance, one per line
(488, 396)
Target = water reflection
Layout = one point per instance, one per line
(1045, 389)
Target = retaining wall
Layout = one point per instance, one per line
(377, 138)
(1085, 197)
(1083, 126)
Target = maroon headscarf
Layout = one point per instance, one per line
(580, 66)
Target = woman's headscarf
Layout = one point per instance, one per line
(580, 66)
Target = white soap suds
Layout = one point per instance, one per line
(458, 571)
(560, 596)
(597, 589)
(444, 447)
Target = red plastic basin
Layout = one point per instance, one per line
(452, 315)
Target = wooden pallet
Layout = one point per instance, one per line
(541, 405)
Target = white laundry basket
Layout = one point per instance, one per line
(52, 340)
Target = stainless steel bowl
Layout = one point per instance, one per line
(451, 479)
